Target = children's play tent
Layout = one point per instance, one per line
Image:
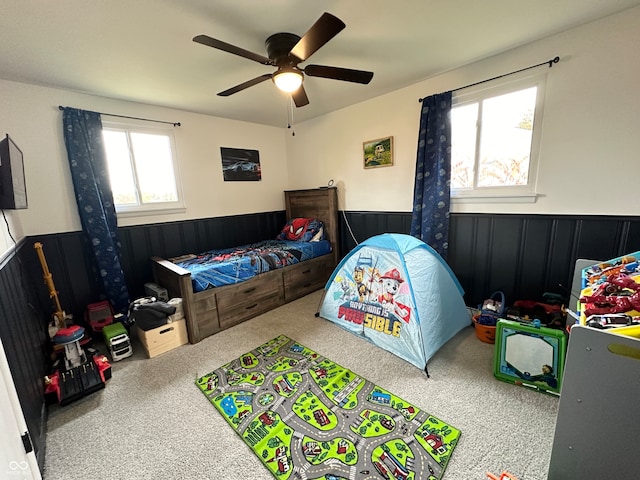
(397, 292)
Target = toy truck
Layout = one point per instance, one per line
(117, 340)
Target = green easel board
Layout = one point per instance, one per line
(530, 356)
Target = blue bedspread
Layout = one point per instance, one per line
(227, 266)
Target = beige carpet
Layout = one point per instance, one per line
(152, 422)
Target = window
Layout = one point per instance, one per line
(495, 140)
(142, 169)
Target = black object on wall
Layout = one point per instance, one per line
(13, 188)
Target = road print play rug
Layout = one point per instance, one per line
(306, 417)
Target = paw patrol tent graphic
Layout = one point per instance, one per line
(397, 292)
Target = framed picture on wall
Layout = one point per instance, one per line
(240, 165)
(378, 153)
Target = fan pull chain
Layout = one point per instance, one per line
(288, 118)
(293, 132)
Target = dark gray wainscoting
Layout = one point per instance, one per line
(71, 269)
(522, 255)
(24, 336)
(71, 264)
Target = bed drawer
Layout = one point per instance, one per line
(246, 300)
(306, 277)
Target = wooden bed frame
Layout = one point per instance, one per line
(216, 309)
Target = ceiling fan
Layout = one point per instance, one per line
(285, 51)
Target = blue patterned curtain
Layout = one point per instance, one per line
(432, 192)
(89, 172)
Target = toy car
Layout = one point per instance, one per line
(609, 321)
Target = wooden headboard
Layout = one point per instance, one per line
(320, 203)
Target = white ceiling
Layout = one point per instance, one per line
(142, 50)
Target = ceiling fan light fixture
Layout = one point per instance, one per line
(287, 79)
(285, 51)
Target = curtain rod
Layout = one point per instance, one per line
(175, 124)
(548, 62)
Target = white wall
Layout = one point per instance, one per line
(31, 116)
(589, 159)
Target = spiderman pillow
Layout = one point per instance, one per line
(302, 230)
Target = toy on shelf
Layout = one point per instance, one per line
(610, 296)
(611, 320)
(618, 294)
(600, 272)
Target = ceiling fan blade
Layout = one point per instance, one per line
(247, 84)
(338, 73)
(300, 97)
(325, 28)
(227, 47)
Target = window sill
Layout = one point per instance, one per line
(144, 213)
(517, 198)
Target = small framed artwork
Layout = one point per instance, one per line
(240, 165)
(378, 153)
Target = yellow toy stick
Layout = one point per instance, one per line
(48, 280)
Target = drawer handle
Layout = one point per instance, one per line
(252, 306)
(306, 285)
(249, 290)
(166, 330)
(306, 271)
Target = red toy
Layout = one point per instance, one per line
(619, 294)
(98, 315)
(68, 334)
(504, 476)
(73, 384)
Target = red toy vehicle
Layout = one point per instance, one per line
(98, 315)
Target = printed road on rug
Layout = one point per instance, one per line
(306, 417)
